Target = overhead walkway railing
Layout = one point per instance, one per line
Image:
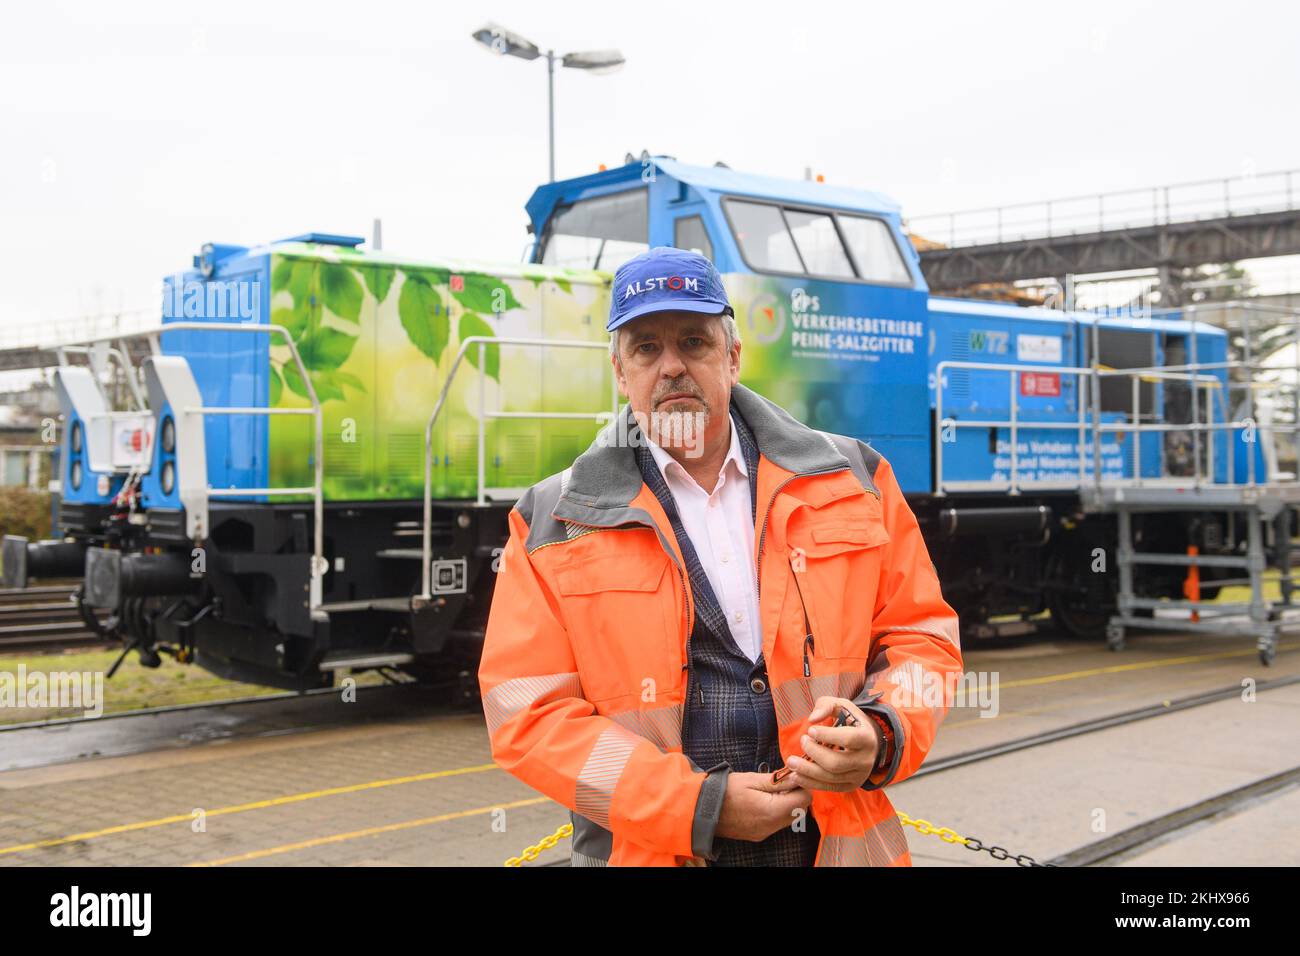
(1123, 209)
(481, 343)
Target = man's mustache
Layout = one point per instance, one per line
(690, 389)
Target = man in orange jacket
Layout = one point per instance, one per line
(680, 615)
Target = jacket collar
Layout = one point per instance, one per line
(605, 478)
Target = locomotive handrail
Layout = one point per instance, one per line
(1011, 423)
(316, 490)
(1014, 423)
(482, 341)
(1196, 373)
(1247, 424)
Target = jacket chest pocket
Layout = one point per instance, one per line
(623, 625)
(836, 568)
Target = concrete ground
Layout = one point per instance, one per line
(417, 785)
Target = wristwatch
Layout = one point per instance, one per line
(886, 748)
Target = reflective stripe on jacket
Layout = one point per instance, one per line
(583, 672)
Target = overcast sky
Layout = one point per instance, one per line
(134, 132)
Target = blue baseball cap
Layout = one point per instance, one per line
(665, 279)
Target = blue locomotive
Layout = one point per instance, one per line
(326, 439)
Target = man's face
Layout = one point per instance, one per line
(676, 372)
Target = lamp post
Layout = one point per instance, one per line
(505, 43)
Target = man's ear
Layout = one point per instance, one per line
(735, 362)
(619, 377)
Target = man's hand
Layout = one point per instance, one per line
(754, 807)
(838, 758)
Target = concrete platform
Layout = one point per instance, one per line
(421, 788)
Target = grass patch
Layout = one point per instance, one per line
(134, 687)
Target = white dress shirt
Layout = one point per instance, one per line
(721, 527)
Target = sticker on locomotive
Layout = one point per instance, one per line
(989, 341)
(1054, 460)
(1046, 349)
(1040, 384)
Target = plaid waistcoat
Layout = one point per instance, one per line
(729, 716)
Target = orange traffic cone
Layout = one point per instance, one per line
(1192, 583)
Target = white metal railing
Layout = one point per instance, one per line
(154, 334)
(482, 342)
(1215, 378)
(1123, 209)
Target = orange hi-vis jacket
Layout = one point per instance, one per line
(584, 667)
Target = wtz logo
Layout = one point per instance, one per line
(989, 343)
(103, 909)
(214, 299)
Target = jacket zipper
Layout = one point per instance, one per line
(808, 644)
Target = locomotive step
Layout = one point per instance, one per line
(357, 659)
(369, 604)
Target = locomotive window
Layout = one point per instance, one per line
(873, 249)
(764, 239)
(689, 233)
(819, 243)
(600, 233)
(816, 242)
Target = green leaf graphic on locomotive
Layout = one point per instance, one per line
(471, 324)
(294, 321)
(324, 349)
(483, 293)
(276, 387)
(328, 384)
(310, 284)
(294, 276)
(379, 279)
(426, 322)
(341, 291)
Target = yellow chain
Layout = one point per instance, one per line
(924, 826)
(533, 852)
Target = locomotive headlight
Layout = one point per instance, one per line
(76, 474)
(168, 477)
(169, 434)
(76, 436)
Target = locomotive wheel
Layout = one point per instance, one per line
(1081, 601)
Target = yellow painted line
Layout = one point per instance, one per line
(244, 807)
(1093, 672)
(1138, 666)
(369, 831)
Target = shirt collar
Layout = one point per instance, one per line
(664, 460)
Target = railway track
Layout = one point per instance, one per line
(1128, 843)
(42, 619)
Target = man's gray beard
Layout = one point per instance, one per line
(681, 429)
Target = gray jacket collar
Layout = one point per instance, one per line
(605, 478)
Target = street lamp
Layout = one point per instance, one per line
(504, 43)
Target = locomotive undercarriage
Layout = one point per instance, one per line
(1005, 565)
(239, 604)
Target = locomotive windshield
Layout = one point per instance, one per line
(818, 243)
(599, 233)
